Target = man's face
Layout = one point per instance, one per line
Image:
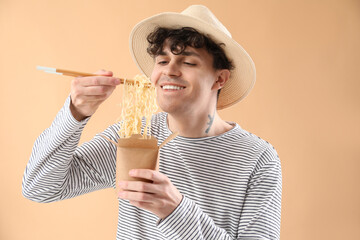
(184, 83)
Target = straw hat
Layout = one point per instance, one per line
(242, 78)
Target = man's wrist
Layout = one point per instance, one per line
(78, 116)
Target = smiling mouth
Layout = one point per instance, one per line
(172, 87)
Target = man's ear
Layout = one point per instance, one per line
(222, 76)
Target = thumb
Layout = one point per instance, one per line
(103, 72)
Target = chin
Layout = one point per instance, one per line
(167, 108)
(171, 108)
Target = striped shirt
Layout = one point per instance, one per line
(231, 183)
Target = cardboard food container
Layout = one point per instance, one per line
(136, 152)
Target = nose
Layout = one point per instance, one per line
(172, 70)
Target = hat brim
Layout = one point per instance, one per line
(242, 78)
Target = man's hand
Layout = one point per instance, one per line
(87, 93)
(160, 197)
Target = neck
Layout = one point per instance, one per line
(198, 124)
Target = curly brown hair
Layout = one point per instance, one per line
(180, 38)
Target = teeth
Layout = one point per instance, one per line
(172, 87)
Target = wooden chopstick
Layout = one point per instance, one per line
(80, 74)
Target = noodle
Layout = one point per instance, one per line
(138, 101)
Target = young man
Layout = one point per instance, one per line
(216, 180)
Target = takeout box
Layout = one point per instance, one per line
(136, 152)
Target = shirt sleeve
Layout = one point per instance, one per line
(260, 217)
(261, 214)
(58, 169)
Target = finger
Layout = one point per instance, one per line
(88, 94)
(104, 72)
(136, 196)
(92, 98)
(97, 90)
(144, 205)
(96, 81)
(148, 174)
(138, 186)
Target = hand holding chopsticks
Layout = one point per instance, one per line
(87, 92)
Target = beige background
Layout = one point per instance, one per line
(305, 102)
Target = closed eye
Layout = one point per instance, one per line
(190, 64)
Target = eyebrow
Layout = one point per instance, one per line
(184, 53)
